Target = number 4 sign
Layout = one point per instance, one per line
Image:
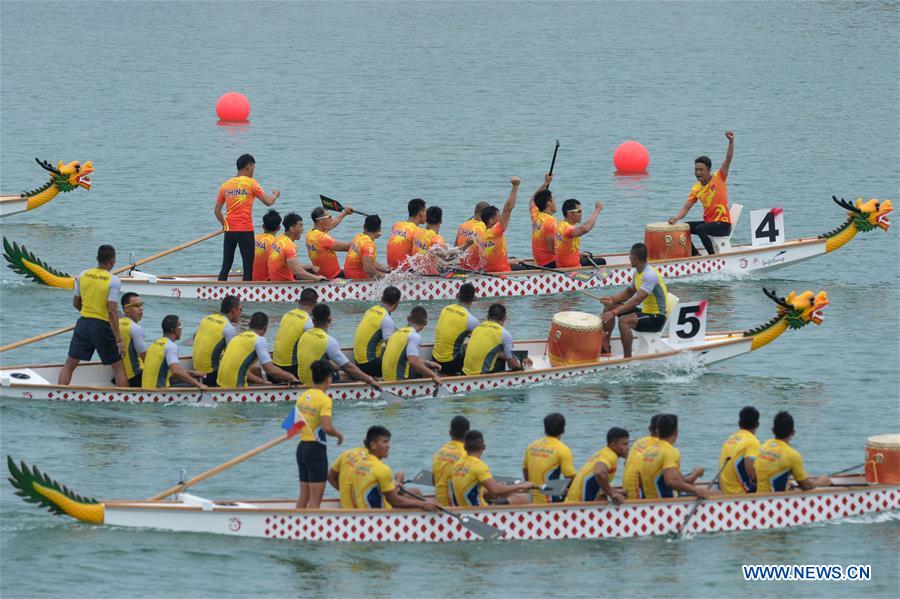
(688, 324)
(767, 226)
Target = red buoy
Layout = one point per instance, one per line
(631, 157)
(233, 106)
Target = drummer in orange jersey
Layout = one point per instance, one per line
(271, 223)
(322, 247)
(493, 240)
(400, 243)
(468, 234)
(361, 262)
(283, 262)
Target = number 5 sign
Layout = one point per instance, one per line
(688, 324)
(767, 226)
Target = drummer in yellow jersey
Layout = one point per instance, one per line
(96, 298)
(314, 405)
(402, 354)
(444, 458)
(162, 361)
(593, 482)
(374, 330)
(778, 461)
(640, 307)
(740, 449)
(548, 458)
(133, 337)
(292, 326)
(454, 326)
(213, 334)
(472, 483)
(373, 482)
(317, 344)
(237, 367)
(490, 348)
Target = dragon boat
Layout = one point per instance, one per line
(92, 382)
(63, 178)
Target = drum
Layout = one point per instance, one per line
(665, 241)
(883, 459)
(575, 338)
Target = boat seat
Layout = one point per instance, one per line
(723, 244)
(652, 343)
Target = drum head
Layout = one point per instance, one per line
(577, 321)
(666, 227)
(889, 441)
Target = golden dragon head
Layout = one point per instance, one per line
(868, 215)
(69, 176)
(800, 309)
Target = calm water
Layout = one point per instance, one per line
(377, 103)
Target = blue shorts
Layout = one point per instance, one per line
(93, 334)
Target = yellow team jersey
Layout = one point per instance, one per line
(209, 343)
(630, 472)
(548, 458)
(450, 333)
(93, 284)
(657, 301)
(658, 458)
(484, 346)
(368, 342)
(585, 486)
(156, 372)
(313, 404)
(311, 347)
(131, 360)
(237, 359)
(344, 465)
(291, 328)
(372, 479)
(442, 467)
(776, 462)
(742, 447)
(468, 474)
(394, 363)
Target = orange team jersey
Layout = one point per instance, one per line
(493, 248)
(362, 245)
(714, 197)
(568, 247)
(261, 256)
(471, 229)
(400, 244)
(319, 245)
(424, 240)
(543, 226)
(237, 194)
(283, 249)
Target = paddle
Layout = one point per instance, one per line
(477, 272)
(682, 532)
(330, 204)
(553, 162)
(571, 274)
(847, 470)
(220, 468)
(479, 527)
(553, 487)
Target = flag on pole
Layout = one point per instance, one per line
(294, 422)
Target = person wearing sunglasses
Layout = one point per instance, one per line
(133, 337)
(569, 232)
(162, 361)
(322, 247)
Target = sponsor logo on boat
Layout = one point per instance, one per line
(234, 524)
(776, 259)
(744, 263)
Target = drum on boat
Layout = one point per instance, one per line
(883, 459)
(575, 338)
(665, 241)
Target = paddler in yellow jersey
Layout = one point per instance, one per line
(133, 337)
(454, 326)
(322, 247)
(740, 450)
(400, 242)
(373, 331)
(292, 326)
(162, 361)
(96, 298)
(314, 405)
(471, 481)
(271, 222)
(640, 307)
(636, 453)
(444, 458)
(778, 461)
(213, 334)
(593, 481)
(467, 235)
(316, 344)
(340, 475)
(548, 458)
(402, 354)
(658, 471)
(237, 368)
(569, 232)
(373, 482)
(490, 347)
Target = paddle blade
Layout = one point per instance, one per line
(482, 529)
(424, 477)
(580, 276)
(330, 204)
(391, 398)
(442, 392)
(555, 487)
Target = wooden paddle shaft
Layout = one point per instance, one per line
(220, 468)
(40, 337)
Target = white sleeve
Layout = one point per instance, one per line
(307, 325)
(334, 353)
(651, 280)
(172, 353)
(229, 332)
(412, 344)
(137, 337)
(78, 285)
(115, 289)
(262, 350)
(387, 327)
(507, 344)
(471, 322)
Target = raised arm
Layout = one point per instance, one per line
(510, 202)
(728, 155)
(585, 227)
(545, 185)
(339, 218)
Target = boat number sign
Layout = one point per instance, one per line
(689, 325)
(767, 227)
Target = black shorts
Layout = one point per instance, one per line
(93, 334)
(136, 380)
(312, 462)
(453, 367)
(649, 323)
(372, 368)
(211, 379)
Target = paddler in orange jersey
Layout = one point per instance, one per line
(427, 260)
(444, 458)
(468, 232)
(237, 195)
(400, 243)
(493, 240)
(568, 237)
(712, 191)
(322, 247)
(283, 262)
(543, 224)
(271, 223)
(361, 262)
(548, 458)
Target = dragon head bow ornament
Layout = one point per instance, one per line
(864, 216)
(794, 311)
(63, 177)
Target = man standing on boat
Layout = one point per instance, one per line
(373, 331)
(712, 191)
(593, 482)
(214, 333)
(292, 326)
(133, 337)
(472, 483)
(444, 458)
(548, 458)
(283, 262)
(373, 482)
(322, 247)
(400, 243)
(163, 362)
(271, 223)
(468, 234)
(777, 461)
(640, 307)
(314, 405)
(454, 326)
(401, 354)
(740, 450)
(361, 262)
(246, 349)
(316, 344)
(237, 195)
(97, 329)
(490, 348)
